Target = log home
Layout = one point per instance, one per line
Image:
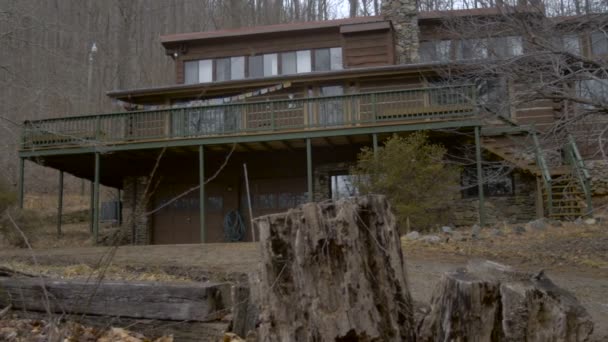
(296, 103)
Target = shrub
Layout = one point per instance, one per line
(29, 221)
(8, 197)
(412, 173)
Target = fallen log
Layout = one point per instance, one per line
(149, 300)
(333, 271)
(492, 302)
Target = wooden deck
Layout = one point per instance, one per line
(263, 117)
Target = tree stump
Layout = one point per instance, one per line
(492, 302)
(334, 271)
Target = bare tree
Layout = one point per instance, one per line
(537, 62)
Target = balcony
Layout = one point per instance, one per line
(254, 117)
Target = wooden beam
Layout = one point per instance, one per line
(21, 182)
(143, 299)
(267, 145)
(328, 142)
(201, 174)
(287, 145)
(482, 218)
(309, 169)
(348, 139)
(375, 144)
(60, 203)
(245, 147)
(91, 206)
(96, 200)
(251, 138)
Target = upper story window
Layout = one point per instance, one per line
(435, 51)
(595, 90)
(571, 43)
(472, 49)
(599, 43)
(272, 64)
(506, 46)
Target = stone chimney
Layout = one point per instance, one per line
(403, 14)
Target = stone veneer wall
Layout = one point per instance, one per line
(598, 169)
(520, 207)
(136, 226)
(403, 14)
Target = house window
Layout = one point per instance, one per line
(571, 43)
(335, 58)
(198, 71)
(237, 68)
(303, 61)
(497, 181)
(503, 47)
(222, 69)
(322, 62)
(472, 49)
(343, 185)
(595, 90)
(256, 66)
(271, 65)
(435, 51)
(599, 43)
(205, 71)
(191, 72)
(288, 63)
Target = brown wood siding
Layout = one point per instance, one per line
(257, 46)
(368, 49)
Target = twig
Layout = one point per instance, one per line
(194, 188)
(47, 303)
(5, 310)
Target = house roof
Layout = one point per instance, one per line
(143, 95)
(172, 39)
(266, 29)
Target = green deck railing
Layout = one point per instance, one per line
(428, 104)
(579, 170)
(545, 174)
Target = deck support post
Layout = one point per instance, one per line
(60, 203)
(309, 169)
(96, 200)
(375, 143)
(21, 181)
(119, 209)
(482, 216)
(91, 205)
(201, 177)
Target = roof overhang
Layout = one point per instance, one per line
(206, 90)
(172, 40)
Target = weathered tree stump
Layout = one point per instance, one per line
(492, 302)
(334, 271)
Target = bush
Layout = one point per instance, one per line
(8, 197)
(29, 221)
(412, 173)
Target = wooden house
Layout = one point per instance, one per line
(295, 103)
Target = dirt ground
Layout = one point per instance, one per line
(574, 256)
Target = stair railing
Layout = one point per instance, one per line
(545, 174)
(579, 170)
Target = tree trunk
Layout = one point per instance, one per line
(333, 271)
(491, 302)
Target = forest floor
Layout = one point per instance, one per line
(574, 256)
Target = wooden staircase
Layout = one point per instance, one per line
(567, 199)
(564, 182)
